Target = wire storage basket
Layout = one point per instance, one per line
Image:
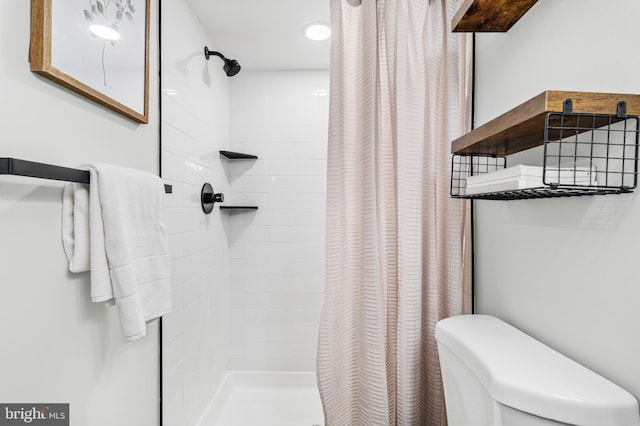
(583, 154)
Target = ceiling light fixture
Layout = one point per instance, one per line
(317, 31)
(104, 32)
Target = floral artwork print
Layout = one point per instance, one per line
(108, 13)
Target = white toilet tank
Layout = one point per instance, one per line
(495, 375)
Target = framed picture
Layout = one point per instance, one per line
(97, 48)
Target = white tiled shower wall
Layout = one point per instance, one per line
(195, 126)
(277, 252)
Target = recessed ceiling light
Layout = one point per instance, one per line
(317, 31)
(104, 32)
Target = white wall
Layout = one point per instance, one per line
(277, 252)
(195, 126)
(564, 270)
(58, 346)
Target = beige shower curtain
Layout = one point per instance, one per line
(395, 239)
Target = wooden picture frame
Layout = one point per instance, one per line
(68, 48)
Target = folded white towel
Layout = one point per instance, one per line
(116, 228)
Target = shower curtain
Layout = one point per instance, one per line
(395, 239)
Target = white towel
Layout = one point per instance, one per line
(116, 228)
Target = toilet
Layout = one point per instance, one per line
(496, 375)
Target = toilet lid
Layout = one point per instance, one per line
(523, 373)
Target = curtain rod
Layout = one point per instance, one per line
(16, 167)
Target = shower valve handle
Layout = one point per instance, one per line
(213, 198)
(208, 198)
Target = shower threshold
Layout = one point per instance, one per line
(265, 399)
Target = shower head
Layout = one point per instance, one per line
(231, 66)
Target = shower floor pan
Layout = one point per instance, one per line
(265, 399)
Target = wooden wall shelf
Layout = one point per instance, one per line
(523, 127)
(475, 16)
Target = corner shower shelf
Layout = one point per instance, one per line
(230, 155)
(577, 130)
(238, 207)
(489, 15)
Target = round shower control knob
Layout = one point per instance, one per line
(208, 198)
(213, 198)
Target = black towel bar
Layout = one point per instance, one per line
(14, 166)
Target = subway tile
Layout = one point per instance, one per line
(179, 118)
(296, 167)
(189, 267)
(278, 167)
(175, 141)
(173, 408)
(292, 334)
(311, 79)
(249, 301)
(203, 103)
(244, 234)
(309, 316)
(268, 350)
(177, 299)
(276, 267)
(195, 147)
(296, 201)
(283, 217)
(236, 350)
(309, 117)
(196, 398)
(248, 333)
(243, 133)
(200, 240)
(255, 316)
(302, 250)
(283, 116)
(198, 358)
(195, 101)
(235, 169)
(181, 195)
(241, 97)
(250, 116)
(282, 184)
(272, 306)
(251, 199)
(193, 288)
(292, 365)
(307, 350)
(176, 246)
(288, 150)
(296, 234)
(285, 315)
(276, 254)
(172, 353)
(180, 220)
(177, 168)
(249, 283)
(172, 88)
(173, 325)
(174, 200)
(249, 364)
